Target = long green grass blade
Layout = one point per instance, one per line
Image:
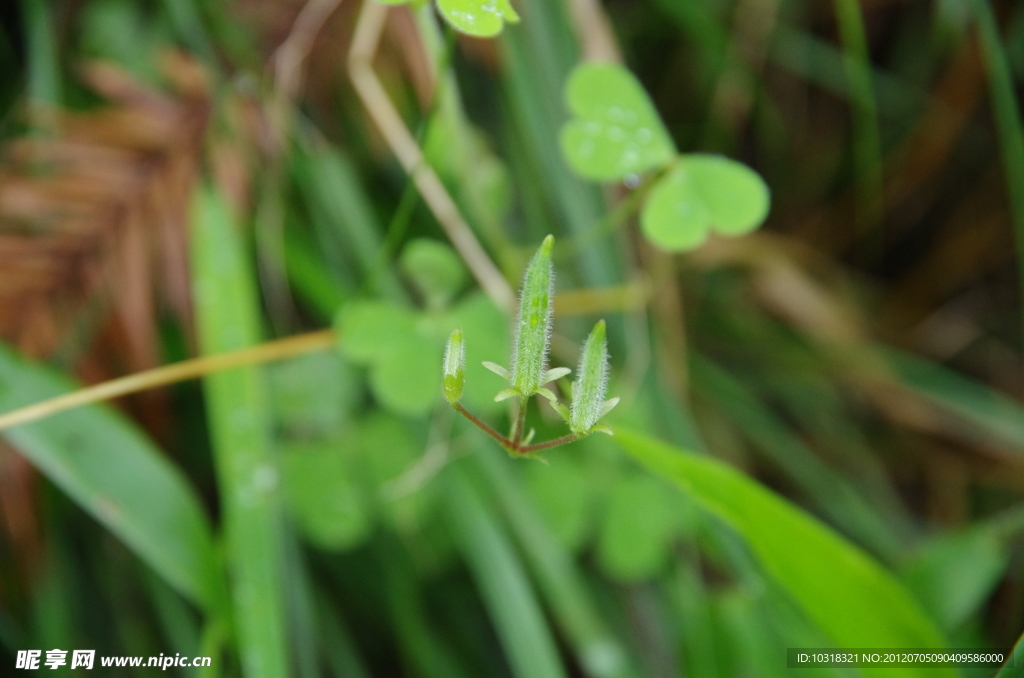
(1008, 120)
(989, 416)
(44, 80)
(828, 490)
(600, 653)
(227, 318)
(843, 591)
(506, 591)
(867, 140)
(1014, 668)
(112, 470)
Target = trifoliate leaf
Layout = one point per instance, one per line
(402, 356)
(616, 130)
(406, 380)
(369, 330)
(703, 193)
(311, 394)
(327, 506)
(533, 329)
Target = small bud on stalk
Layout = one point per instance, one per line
(454, 367)
(533, 331)
(588, 404)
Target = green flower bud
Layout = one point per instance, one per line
(533, 331)
(592, 380)
(454, 367)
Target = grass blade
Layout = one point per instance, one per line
(843, 591)
(110, 469)
(1014, 668)
(867, 140)
(227, 318)
(993, 419)
(600, 653)
(504, 586)
(1008, 120)
(835, 497)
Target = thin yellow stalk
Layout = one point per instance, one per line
(403, 144)
(170, 374)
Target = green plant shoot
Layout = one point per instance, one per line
(529, 371)
(588, 403)
(533, 330)
(454, 367)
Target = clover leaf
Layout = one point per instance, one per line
(399, 351)
(703, 193)
(479, 18)
(616, 130)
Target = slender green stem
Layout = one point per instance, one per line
(568, 438)
(502, 440)
(513, 445)
(517, 432)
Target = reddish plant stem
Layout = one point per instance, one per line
(514, 445)
(502, 440)
(517, 432)
(527, 449)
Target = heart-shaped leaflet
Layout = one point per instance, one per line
(616, 130)
(479, 18)
(703, 193)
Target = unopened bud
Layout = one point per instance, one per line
(592, 381)
(530, 353)
(454, 367)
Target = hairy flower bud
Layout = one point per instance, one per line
(533, 331)
(454, 367)
(592, 380)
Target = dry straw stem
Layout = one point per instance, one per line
(170, 374)
(403, 144)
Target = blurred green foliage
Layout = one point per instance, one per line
(820, 438)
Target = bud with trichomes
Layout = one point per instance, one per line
(588, 403)
(528, 373)
(454, 367)
(533, 331)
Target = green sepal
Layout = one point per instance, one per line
(547, 393)
(609, 405)
(506, 393)
(554, 374)
(496, 368)
(562, 410)
(602, 428)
